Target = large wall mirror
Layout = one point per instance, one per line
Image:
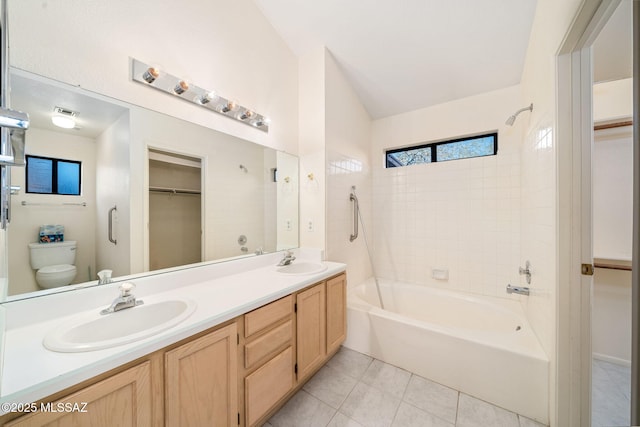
(155, 192)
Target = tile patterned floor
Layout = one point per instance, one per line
(354, 390)
(610, 394)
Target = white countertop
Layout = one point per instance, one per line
(222, 292)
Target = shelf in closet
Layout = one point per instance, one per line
(173, 190)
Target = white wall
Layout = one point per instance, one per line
(613, 100)
(113, 171)
(462, 215)
(312, 148)
(286, 220)
(538, 161)
(225, 46)
(612, 221)
(348, 156)
(242, 193)
(79, 221)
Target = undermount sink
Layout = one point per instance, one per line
(97, 331)
(301, 268)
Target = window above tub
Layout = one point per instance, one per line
(441, 151)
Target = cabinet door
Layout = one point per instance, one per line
(121, 400)
(311, 329)
(201, 381)
(267, 385)
(336, 312)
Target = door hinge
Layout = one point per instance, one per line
(238, 335)
(295, 307)
(295, 368)
(587, 269)
(238, 418)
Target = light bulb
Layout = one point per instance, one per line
(206, 98)
(247, 114)
(181, 87)
(229, 106)
(150, 75)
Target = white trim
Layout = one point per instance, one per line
(611, 359)
(574, 139)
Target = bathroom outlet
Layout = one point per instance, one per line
(288, 225)
(310, 225)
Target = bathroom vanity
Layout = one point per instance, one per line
(254, 339)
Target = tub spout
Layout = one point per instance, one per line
(522, 290)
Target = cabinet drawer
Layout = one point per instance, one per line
(266, 386)
(267, 344)
(264, 317)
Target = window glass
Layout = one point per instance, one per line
(453, 149)
(46, 175)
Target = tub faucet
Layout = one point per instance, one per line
(288, 259)
(521, 290)
(125, 300)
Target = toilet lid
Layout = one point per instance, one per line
(60, 268)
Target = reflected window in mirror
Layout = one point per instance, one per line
(46, 175)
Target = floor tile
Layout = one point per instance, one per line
(410, 416)
(341, 420)
(473, 412)
(432, 397)
(387, 378)
(610, 394)
(370, 407)
(330, 386)
(303, 410)
(350, 362)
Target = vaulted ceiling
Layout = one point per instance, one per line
(404, 55)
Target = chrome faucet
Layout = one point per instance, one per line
(104, 277)
(522, 290)
(125, 300)
(288, 259)
(526, 271)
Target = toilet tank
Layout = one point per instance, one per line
(45, 254)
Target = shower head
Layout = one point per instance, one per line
(512, 118)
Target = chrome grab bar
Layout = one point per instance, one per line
(356, 206)
(111, 211)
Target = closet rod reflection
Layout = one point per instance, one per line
(173, 190)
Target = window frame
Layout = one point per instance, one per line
(54, 175)
(434, 151)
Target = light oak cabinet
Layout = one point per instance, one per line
(201, 381)
(336, 312)
(269, 358)
(239, 373)
(124, 399)
(311, 330)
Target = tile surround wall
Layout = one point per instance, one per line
(462, 215)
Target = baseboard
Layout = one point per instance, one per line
(611, 359)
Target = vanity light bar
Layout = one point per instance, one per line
(154, 77)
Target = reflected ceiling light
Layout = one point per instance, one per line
(64, 118)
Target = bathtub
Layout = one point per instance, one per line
(480, 346)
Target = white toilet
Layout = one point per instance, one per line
(53, 262)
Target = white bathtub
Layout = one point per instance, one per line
(478, 345)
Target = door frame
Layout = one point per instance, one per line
(574, 213)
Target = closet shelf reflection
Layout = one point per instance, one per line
(173, 190)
